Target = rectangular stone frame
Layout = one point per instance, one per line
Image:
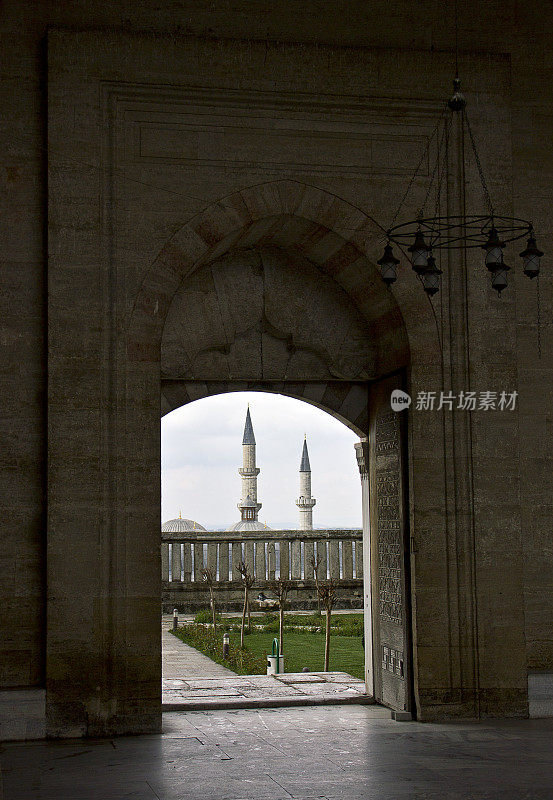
(103, 586)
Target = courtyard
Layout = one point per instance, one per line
(326, 753)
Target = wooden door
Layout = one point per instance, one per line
(389, 550)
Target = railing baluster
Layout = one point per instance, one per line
(187, 562)
(211, 562)
(249, 557)
(164, 561)
(175, 563)
(308, 553)
(223, 561)
(347, 561)
(358, 559)
(334, 555)
(284, 559)
(260, 571)
(296, 559)
(236, 559)
(321, 557)
(271, 560)
(198, 561)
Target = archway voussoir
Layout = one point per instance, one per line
(255, 202)
(290, 194)
(322, 247)
(315, 205)
(215, 223)
(184, 249)
(238, 209)
(340, 259)
(369, 238)
(272, 197)
(349, 220)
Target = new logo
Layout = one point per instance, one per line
(400, 400)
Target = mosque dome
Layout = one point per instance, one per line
(249, 525)
(181, 526)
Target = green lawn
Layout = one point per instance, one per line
(307, 650)
(300, 650)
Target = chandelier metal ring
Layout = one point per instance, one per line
(459, 232)
(426, 237)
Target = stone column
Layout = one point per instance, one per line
(362, 455)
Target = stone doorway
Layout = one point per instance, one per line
(164, 217)
(265, 309)
(285, 549)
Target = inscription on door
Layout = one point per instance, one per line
(389, 518)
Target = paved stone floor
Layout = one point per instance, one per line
(192, 681)
(326, 753)
(249, 691)
(180, 660)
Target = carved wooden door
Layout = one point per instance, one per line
(389, 553)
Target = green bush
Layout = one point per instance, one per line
(205, 616)
(244, 662)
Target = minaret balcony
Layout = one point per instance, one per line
(249, 473)
(305, 502)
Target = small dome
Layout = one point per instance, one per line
(249, 525)
(181, 526)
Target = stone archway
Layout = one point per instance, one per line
(270, 313)
(249, 284)
(108, 300)
(307, 225)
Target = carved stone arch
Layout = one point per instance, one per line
(342, 238)
(340, 241)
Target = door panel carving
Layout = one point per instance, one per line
(390, 602)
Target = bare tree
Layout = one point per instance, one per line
(281, 588)
(248, 581)
(209, 578)
(315, 563)
(327, 593)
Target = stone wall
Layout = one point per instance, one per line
(289, 555)
(513, 493)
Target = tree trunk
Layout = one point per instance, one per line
(249, 617)
(281, 629)
(213, 609)
(327, 641)
(243, 617)
(318, 595)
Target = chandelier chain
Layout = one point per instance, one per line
(487, 197)
(436, 169)
(422, 239)
(538, 299)
(416, 172)
(456, 7)
(443, 171)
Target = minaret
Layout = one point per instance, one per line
(248, 505)
(305, 502)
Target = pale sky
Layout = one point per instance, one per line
(201, 451)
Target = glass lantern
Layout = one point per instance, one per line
(531, 258)
(419, 253)
(388, 265)
(494, 250)
(431, 277)
(499, 280)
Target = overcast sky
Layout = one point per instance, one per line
(201, 451)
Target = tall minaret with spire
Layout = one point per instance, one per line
(248, 505)
(305, 502)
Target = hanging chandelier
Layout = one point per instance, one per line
(428, 237)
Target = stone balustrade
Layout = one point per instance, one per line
(269, 554)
